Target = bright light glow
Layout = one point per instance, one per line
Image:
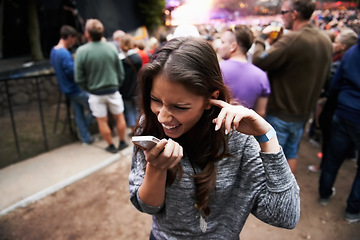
(192, 12)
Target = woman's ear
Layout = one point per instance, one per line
(214, 95)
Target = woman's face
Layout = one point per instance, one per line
(176, 108)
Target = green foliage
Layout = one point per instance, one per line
(152, 12)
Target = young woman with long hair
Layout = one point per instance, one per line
(208, 172)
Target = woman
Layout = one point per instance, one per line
(208, 173)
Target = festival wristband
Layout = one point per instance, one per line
(267, 136)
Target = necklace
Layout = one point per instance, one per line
(203, 223)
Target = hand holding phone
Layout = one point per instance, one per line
(145, 142)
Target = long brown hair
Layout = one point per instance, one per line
(193, 63)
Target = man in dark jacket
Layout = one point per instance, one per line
(345, 131)
(297, 65)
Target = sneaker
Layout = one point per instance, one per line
(352, 217)
(325, 201)
(314, 168)
(122, 145)
(111, 149)
(314, 143)
(88, 143)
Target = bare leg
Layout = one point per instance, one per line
(104, 129)
(292, 163)
(120, 126)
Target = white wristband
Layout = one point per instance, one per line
(267, 136)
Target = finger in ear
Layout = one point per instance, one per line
(214, 95)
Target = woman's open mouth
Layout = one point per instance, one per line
(170, 128)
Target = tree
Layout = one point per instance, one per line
(34, 31)
(1, 27)
(152, 12)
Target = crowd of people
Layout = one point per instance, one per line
(229, 104)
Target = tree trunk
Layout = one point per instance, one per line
(34, 32)
(1, 27)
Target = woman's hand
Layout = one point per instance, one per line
(239, 118)
(165, 155)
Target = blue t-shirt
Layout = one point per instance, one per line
(63, 64)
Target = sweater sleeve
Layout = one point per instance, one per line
(136, 177)
(336, 80)
(120, 72)
(278, 201)
(272, 58)
(67, 65)
(80, 77)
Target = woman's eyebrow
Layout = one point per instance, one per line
(174, 104)
(183, 104)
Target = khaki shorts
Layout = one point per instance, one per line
(99, 104)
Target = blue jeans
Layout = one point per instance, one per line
(79, 104)
(288, 133)
(343, 134)
(131, 112)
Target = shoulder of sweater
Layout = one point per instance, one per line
(82, 47)
(60, 52)
(312, 30)
(304, 33)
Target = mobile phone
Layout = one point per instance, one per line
(146, 142)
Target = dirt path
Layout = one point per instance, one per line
(98, 207)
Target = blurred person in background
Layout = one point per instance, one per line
(140, 49)
(249, 84)
(326, 105)
(63, 63)
(297, 65)
(345, 132)
(117, 35)
(129, 89)
(99, 71)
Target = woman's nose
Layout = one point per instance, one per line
(164, 115)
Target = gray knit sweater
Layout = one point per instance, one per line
(249, 182)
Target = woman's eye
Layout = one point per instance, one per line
(155, 100)
(181, 108)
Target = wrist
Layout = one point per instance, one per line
(260, 41)
(267, 136)
(155, 171)
(263, 36)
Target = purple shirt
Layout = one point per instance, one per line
(246, 81)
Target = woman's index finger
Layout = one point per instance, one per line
(218, 103)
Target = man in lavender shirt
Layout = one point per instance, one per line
(249, 84)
